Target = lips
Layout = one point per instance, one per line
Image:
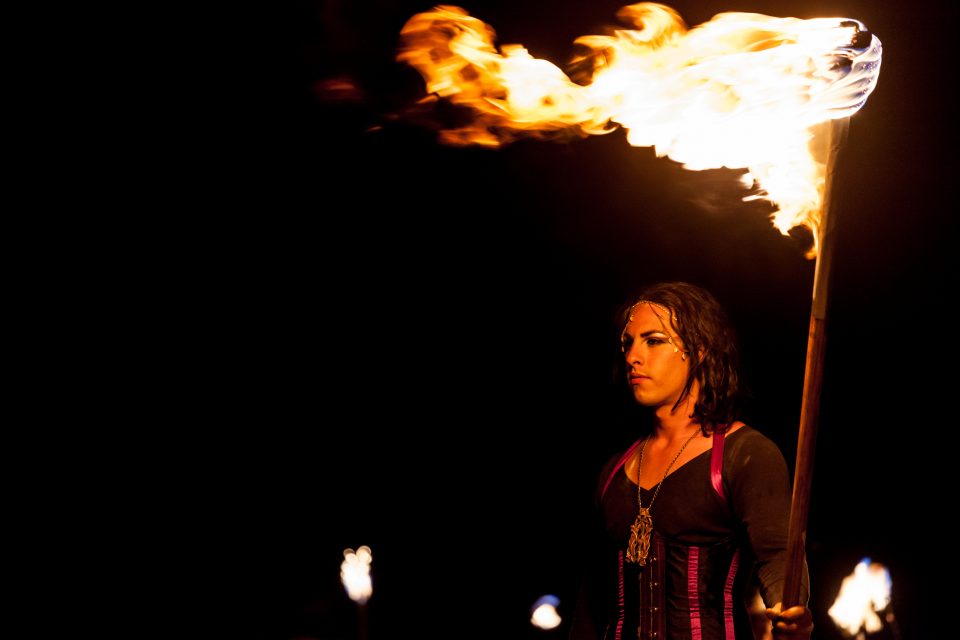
(636, 378)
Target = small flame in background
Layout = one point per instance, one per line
(544, 612)
(739, 91)
(863, 594)
(355, 574)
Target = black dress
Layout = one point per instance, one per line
(706, 549)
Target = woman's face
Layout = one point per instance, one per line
(657, 368)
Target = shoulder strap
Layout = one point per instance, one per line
(620, 463)
(716, 463)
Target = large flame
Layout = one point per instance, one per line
(740, 91)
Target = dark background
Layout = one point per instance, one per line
(429, 331)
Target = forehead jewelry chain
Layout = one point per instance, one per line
(639, 545)
(666, 327)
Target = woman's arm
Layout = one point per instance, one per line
(760, 497)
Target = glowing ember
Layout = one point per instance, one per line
(545, 614)
(355, 574)
(740, 91)
(862, 594)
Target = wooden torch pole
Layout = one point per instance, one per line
(826, 143)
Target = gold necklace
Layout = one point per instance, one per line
(639, 545)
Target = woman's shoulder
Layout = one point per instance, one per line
(612, 465)
(613, 461)
(749, 441)
(753, 463)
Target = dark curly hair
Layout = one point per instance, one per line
(711, 342)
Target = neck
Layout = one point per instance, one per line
(671, 425)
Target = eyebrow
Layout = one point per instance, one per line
(646, 334)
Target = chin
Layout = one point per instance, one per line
(642, 400)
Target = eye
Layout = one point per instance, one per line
(655, 340)
(626, 341)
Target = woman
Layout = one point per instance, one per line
(696, 512)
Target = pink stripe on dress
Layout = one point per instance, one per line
(728, 596)
(620, 619)
(693, 592)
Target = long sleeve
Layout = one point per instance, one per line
(584, 625)
(760, 497)
(590, 614)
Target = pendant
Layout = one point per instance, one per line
(639, 545)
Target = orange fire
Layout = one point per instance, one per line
(742, 90)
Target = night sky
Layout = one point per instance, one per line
(429, 361)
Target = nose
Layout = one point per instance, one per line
(635, 355)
